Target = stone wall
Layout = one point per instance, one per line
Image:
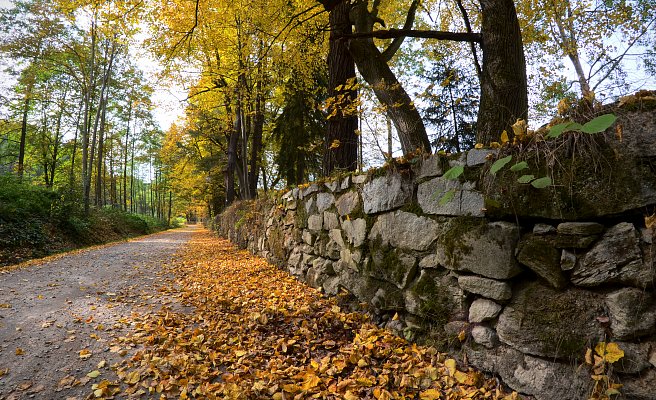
(532, 277)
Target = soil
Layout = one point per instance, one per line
(63, 318)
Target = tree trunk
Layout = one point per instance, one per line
(341, 144)
(90, 88)
(23, 136)
(390, 93)
(503, 80)
(256, 145)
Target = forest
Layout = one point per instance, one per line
(278, 93)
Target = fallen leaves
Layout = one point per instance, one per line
(256, 332)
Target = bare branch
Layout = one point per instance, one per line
(396, 43)
(424, 34)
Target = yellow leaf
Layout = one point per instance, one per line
(335, 144)
(495, 145)
(462, 335)
(613, 352)
(102, 364)
(93, 374)
(588, 356)
(311, 381)
(451, 365)
(478, 146)
(430, 394)
(240, 353)
(519, 128)
(350, 396)
(504, 137)
(19, 351)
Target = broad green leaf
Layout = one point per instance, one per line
(525, 178)
(599, 124)
(498, 164)
(559, 129)
(447, 197)
(541, 183)
(454, 172)
(519, 166)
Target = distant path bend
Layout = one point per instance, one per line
(59, 319)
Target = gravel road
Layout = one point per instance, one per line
(60, 319)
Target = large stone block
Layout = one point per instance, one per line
(355, 231)
(465, 201)
(482, 310)
(324, 201)
(404, 230)
(542, 258)
(487, 249)
(386, 193)
(485, 287)
(348, 203)
(533, 376)
(632, 313)
(615, 258)
(542, 321)
(392, 265)
(435, 296)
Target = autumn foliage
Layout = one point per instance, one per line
(249, 330)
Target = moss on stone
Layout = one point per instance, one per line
(452, 238)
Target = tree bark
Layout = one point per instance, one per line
(23, 136)
(504, 96)
(374, 69)
(341, 144)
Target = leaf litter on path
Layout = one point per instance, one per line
(254, 331)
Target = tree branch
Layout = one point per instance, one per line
(424, 34)
(465, 18)
(396, 43)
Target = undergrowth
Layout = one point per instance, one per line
(36, 221)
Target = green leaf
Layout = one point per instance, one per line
(454, 172)
(447, 197)
(599, 124)
(525, 178)
(519, 166)
(557, 130)
(541, 183)
(498, 164)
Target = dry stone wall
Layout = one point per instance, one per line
(530, 289)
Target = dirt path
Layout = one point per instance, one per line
(60, 320)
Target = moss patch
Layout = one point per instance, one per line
(452, 238)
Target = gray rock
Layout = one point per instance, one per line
(291, 205)
(453, 328)
(484, 249)
(483, 310)
(543, 259)
(489, 288)
(430, 167)
(567, 260)
(346, 183)
(360, 286)
(396, 326)
(640, 387)
(310, 206)
(404, 230)
(315, 277)
(615, 258)
(307, 237)
(335, 235)
(394, 266)
(315, 222)
(647, 235)
(431, 192)
(636, 357)
(348, 203)
(386, 193)
(543, 229)
(359, 179)
(330, 220)
(331, 286)
(352, 258)
(436, 297)
(632, 313)
(543, 379)
(324, 265)
(388, 299)
(485, 336)
(333, 186)
(324, 201)
(544, 322)
(465, 201)
(430, 261)
(355, 231)
(313, 188)
(479, 156)
(580, 228)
